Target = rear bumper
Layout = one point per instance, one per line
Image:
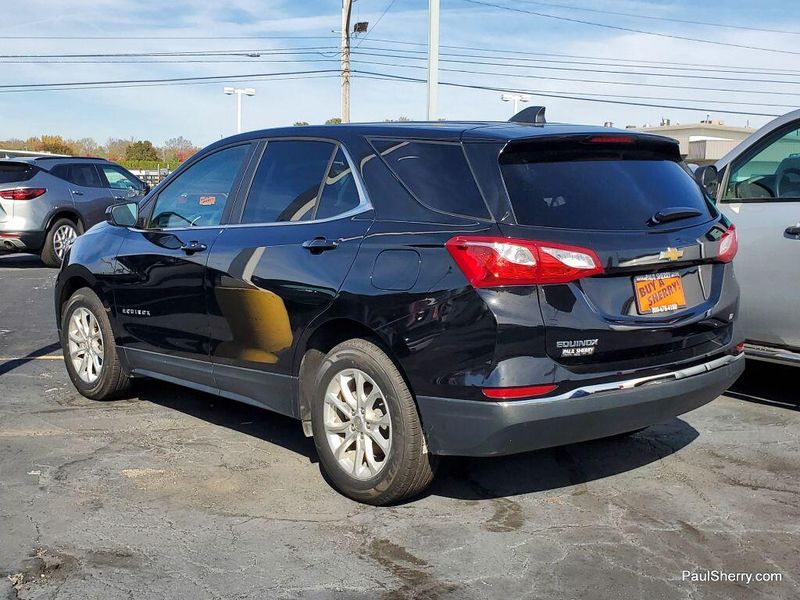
(484, 428)
(22, 241)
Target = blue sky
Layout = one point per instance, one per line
(203, 113)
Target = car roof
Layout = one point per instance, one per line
(48, 162)
(487, 131)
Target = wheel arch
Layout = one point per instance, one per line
(65, 213)
(70, 280)
(319, 341)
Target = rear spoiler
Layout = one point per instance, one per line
(573, 146)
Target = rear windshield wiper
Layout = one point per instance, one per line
(676, 213)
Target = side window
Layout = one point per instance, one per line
(773, 173)
(198, 195)
(339, 192)
(287, 182)
(436, 173)
(84, 175)
(119, 179)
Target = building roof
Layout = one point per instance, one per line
(689, 126)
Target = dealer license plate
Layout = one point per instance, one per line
(661, 292)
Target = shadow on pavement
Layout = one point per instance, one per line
(250, 420)
(10, 365)
(21, 261)
(767, 383)
(554, 468)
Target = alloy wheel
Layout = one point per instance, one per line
(63, 238)
(85, 345)
(357, 423)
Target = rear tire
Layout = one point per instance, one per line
(366, 427)
(90, 351)
(58, 239)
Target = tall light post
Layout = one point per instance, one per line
(433, 58)
(516, 99)
(238, 92)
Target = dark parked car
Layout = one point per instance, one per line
(48, 201)
(415, 290)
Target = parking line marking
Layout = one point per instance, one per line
(49, 357)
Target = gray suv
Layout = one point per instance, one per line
(47, 201)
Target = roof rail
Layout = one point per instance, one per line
(533, 115)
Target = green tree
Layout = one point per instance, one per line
(141, 150)
(300, 123)
(333, 121)
(54, 144)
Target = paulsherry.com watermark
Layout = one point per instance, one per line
(717, 576)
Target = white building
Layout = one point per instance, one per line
(704, 141)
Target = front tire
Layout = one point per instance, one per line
(58, 239)
(90, 352)
(366, 427)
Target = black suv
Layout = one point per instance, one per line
(414, 290)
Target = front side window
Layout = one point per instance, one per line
(198, 196)
(119, 179)
(772, 174)
(287, 182)
(436, 173)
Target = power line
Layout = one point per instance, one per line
(383, 14)
(252, 52)
(561, 96)
(654, 18)
(628, 29)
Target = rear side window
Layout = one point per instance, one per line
(598, 190)
(339, 193)
(436, 173)
(287, 182)
(11, 172)
(83, 175)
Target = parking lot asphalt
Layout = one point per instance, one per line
(178, 494)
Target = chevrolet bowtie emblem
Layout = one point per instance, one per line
(670, 254)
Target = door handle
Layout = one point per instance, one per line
(320, 244)
(76, 192)
(193, 246)
(792, 230)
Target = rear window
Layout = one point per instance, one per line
(609, 190)
(11, 172)
(436, 173)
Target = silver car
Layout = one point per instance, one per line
(47, 201)
(757, 186)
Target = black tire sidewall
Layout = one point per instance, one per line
(85, 298)
(337, 361)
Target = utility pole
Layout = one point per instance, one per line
(346, 8)
(433, 58)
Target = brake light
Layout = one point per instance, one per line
(512, 393)
(612, 139)
(728, 245)
(22, 193)
(497, 261)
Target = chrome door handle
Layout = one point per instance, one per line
(193, 246)
(76, 192)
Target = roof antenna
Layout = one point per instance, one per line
(533, 115)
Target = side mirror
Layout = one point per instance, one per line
(123, 215)
(708, 178)
(146, 189)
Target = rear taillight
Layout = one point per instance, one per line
(515, 393)
(497, 261)
(728, 245)
(22, 193)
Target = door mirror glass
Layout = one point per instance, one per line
(708, 178)
(123, 215)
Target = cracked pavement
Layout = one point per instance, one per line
(178, 494)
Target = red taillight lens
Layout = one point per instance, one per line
(511, 393)
(22, 193)
(497, 261)
(728, 245)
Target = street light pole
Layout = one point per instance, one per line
(433, 58)
(238, 92)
